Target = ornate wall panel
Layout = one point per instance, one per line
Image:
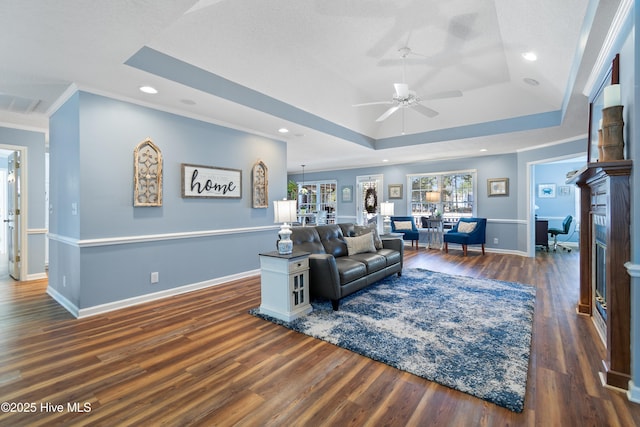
(260, 185)
(147, 162)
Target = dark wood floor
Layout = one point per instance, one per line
(200, 359)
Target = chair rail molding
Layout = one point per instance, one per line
(123, 240)
(633, 270)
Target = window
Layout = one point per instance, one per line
(317, 202)
(450, 194)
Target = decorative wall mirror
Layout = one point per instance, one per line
(147, 176)
(595, 108)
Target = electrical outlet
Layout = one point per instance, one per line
(495, 240)
(155, 277)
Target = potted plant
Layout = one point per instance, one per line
(292, 190)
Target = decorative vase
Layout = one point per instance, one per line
(285, 244)
(600, 143)
(612, 135)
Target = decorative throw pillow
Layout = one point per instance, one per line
(360, 244)
(402, 225)
(466, 227)
(359, 230)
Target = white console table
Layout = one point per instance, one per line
(285, 285)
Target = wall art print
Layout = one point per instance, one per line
(395, 191)
(147, 175)
(497, 187)
(546, 191)
(260, 185)
(200, 181)
(347, 193)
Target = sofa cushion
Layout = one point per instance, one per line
(392, 256)
(359, 230)
(360, 244)
(350, 269)
(454, 237)
(307, 239)
(403, 225)
(372, 261)
(466, 227)
(332, 240)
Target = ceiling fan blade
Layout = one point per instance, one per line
(387, 113)
(402, 89)
(443, 95)
(408, 61)
(373, 103)
(424, 110)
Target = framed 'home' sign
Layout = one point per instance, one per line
(211, 182)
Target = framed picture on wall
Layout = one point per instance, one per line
(347, 193)
(200, 181)
(498, 187)
(564, 190)
(395, 191)
(546, 191)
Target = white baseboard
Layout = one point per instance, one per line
(117, 305)
(63, 301)
(476, 248)
(633, 394)
(36, 276)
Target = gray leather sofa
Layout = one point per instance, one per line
(335, 273)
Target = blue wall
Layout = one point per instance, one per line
(506, 220)
(555, 209)
(106, 252)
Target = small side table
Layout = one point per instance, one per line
(285, 285)
(435, 232)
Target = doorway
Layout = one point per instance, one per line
(12, 211)
(552, 200)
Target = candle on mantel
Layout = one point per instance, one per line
(611, 96)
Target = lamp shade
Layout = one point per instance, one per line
(386, 208)
(433, 196)
(284, 211)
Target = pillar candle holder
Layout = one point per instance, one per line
(612, 134)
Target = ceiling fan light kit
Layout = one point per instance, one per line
(403, 97)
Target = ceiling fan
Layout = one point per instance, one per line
(406, 98)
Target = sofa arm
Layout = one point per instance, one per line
(324, 280)
(395, 244)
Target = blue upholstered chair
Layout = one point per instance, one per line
(468, 231)
(407, 226)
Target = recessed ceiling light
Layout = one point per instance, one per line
(148, 89)
(530, 81)
(283, 130)
(483, 150)
(385, 160)
(530, 56)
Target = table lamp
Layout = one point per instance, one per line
(284, 212)
(386, 210)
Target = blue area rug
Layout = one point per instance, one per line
(473, 335)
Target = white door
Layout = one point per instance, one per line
(13, 214)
